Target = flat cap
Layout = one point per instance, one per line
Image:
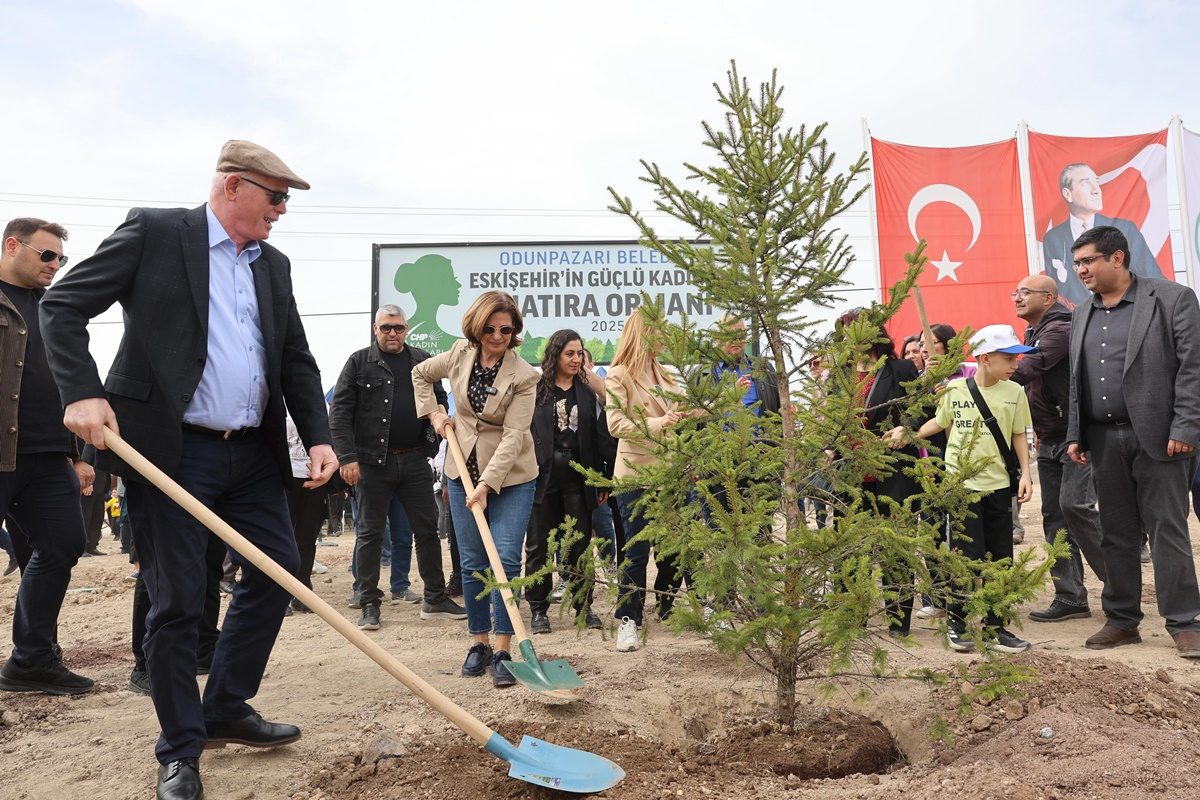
(238, 155)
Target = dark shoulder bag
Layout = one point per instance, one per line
(989, 419)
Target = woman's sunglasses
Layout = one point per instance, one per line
(505, 330)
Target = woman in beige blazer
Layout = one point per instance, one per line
(632, 383)
(494, 392)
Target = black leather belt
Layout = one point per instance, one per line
(404, 450)
(231, 435)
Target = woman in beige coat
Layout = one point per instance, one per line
(633, 383)
(494, 391)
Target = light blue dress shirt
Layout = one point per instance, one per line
(233, 389)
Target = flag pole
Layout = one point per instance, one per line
(1189, 245)
(874, 219)
(1027, 196)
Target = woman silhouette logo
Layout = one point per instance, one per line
(431, 282)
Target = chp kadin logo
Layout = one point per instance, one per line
(966, 203)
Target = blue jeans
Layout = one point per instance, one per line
(507, 515)
(395, 547)
(637, 556)
(602, 524)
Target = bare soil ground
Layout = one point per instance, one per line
(677, 716)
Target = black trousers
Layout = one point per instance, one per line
(409, 478)
(42, 497)
(986, 534)
(307, 508)
(93, 509)
(240, 481)
(208, 634)
(565, 497)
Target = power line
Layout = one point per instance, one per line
(302, 316)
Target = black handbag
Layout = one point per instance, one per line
(1011, 464)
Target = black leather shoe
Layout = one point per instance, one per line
(252, 731)
(478, 659)
(1057, 612)
(500, 674)
(592, 622)
(539, 622)
(180, 780)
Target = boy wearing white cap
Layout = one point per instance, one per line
(986, 416)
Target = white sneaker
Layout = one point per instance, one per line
(627, 636)
(930, 612)
(319, 568)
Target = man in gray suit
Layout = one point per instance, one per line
(1135, 417)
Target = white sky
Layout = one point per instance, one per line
(474, 121)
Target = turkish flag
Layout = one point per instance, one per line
(1081, 182)
(966, 203)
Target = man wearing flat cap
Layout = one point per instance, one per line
(213, 351)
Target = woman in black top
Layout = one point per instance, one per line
(568, 426)
(880, 395)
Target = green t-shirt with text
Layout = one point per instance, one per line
(959, 416)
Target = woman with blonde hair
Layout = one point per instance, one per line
(635, 382)
(495, 390)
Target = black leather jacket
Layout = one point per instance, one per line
(358, 415)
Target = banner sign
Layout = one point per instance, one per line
(1082, 182)
(589, 287)
(966, 203)
(1191, 174)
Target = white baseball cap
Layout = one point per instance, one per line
(998, 339)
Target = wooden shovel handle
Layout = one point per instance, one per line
(485, 533)
(919, 299)
(448, 708)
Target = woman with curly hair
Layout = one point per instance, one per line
(495, 390)
(568, 428)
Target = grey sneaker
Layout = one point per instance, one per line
(1007, 642)
(407, 596)
(956, 637)
(443, 609)
(369, 621)
(139, 682)
(355, 600)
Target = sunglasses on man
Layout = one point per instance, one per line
(389, 328)
(47, 255)
(276, 196)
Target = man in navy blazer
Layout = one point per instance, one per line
(1081, 191)
(213, 350)
(1134, 415)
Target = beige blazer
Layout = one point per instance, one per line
(631, 395)
(500, 435)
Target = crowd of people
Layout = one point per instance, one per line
(215, 384)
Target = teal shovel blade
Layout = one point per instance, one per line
(557, 767)
(553, 678)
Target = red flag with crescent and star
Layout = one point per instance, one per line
(966, 203)
(1083, 182)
